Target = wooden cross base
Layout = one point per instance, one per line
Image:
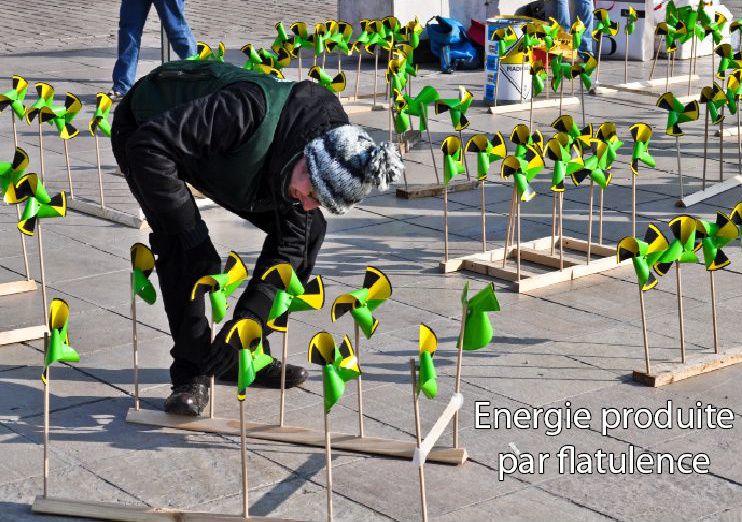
(428, 190)
(666, 373)
(17, 287)
(538, 253)
(549, 103)
(644, 87)
(109, 214)
(711, 191)
(125, 513)
(296, 435)
(19, 335)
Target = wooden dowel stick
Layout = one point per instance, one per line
(633, 204)
(721, 146)
(324, 58)
(582, 101)
(517, 250)
(100, 173)
(46, 417)
(134, 342)
(667, 76)
(18, 208)
(590, 222)
(680, 168)
(561, 231)
(484, 215)
(328, 465)
(561, 95)
(511, 215)
(690, 65)
(705, 147)
(243, 455)
(358, 75)
(463, 155)
(212, 379)
(680, 312)
(530, 117)
(600, 217)
(713, 312)
(459, 363)
(656, 56)
(497, 80)
(597, 69)
(357, 332)
(445, 223)
(626, 60)
(644, 329)
(376, 71)
(284, 360)
(42, 270)
(553, 221)
(69, 171)
(421, 468)
(739, 142)
(430, 144)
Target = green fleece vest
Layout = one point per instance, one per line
(231, 179)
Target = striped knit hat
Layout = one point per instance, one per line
(345, 164)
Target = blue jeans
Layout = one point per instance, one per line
(559, 9)
(132, 16)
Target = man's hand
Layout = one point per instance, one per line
(222, 356)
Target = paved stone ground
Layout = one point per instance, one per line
(574, 342)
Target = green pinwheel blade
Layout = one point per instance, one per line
(641, 268)
(365, 320)
(478, 330)
(281, 304)
(246, 372)
(333, 386)
(59, 350)
(143, 287)
(427, 377)
(218, 305)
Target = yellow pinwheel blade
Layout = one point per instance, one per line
(321, 349)
(246, 334)
(428, 339)
(59, 314)
(142, 258)
(379, 287)
(203, 286)
(342, 305)
(235, 268)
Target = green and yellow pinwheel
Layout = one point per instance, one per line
(715, 28)
(291, 295)
(596, 167)
(339, 365)
(246, 336)
(142, 265)
(253, 58)
(551, 33)
(406, 106)
(694, 19)
(340, 35)
(15, 97)
(714, 98)
(204, 52)
(643, 254)
(221, 286)
(411, 32)
(457, 108)
(478, 330)
(677, 113)
(584, 69)
(487, 151)
(683, 247)
(405, 54)
(560, 69)
(533, 36)
(99, 121)
(671, 33)
(427, 378)
(283, 40)
(391, 29)
(265, 61)
(61, 116)
(538, 77)
(714, 236)
(522, 138)
(505, 38)
(368, 28)
(642, 133)
(580, 137)
(603, 26)
(59, 349)
(734, 90)
(39, 205)
(10, 173)
(523, 170)
(558, 150)
(301, 35)
(631, 19)
(396, 76)
(362, 303)
(331, 83)
(453, 159)
(576, 31)
(45, 98)
(728, 59)
(322, 33)
(607, 133)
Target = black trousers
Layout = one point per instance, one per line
(292, 236)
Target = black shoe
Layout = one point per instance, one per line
(187, 399)
(115, 96)
(270, 376)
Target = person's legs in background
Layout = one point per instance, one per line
(172, 14)
(132, 16)
(559, 10)
(584, 10)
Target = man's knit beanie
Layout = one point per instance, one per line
(345, 164)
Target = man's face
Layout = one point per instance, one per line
(300, 188)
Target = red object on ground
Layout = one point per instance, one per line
(476, 33)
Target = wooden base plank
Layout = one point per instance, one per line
(713, 190)
(642, 87)
(368, 96)
(17, 287)
(19, 335)
(295, 435)
(427, 190)
(568, 101)
(107, 213)
(728, 131)
(126, 513)
(695, 364)
(537, 252)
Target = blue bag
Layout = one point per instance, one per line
(449, 43)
